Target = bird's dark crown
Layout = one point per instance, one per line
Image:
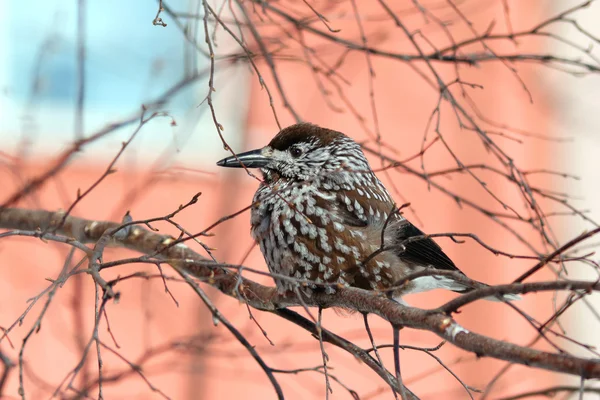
(305, 133)
(301, 152)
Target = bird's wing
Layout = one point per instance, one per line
(424, 252)
(363, 211)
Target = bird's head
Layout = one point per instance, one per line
(302, 152)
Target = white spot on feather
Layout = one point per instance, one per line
(338, 227)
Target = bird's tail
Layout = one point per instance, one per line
(430, 282)
(499, 297)
(504, 297)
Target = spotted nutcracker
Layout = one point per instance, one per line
(320, 215)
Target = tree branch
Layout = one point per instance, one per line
(266, 298)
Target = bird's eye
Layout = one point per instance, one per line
(295, 152)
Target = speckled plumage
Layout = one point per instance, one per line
(319, 216)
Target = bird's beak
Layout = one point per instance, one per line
(249, 159)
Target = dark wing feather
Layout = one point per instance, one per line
(424, 252)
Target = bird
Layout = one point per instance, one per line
(324, 220)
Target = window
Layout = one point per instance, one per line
(129, 62)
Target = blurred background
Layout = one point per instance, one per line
(72, 69)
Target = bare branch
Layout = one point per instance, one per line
(265, 298)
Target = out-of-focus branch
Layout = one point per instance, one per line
(8, 366)
(65, 157)
(553, 391)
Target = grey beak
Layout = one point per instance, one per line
(249, 159)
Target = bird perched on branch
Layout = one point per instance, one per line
(323, 218)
